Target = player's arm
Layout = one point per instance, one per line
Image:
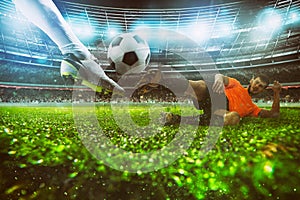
(220, 82)
(275, 110)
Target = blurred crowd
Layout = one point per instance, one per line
(28, 83)
(21, 95)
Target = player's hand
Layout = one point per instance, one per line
(218, 85)
(276, 86)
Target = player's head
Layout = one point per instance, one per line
(258, 83)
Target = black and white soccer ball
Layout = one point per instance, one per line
(128, 53)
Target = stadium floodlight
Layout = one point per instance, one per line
(225, 29)
(142, 25)
(199, 32)
(269, 20)
(274, 21)
(222, 30)
(83, 31)
(112, 32)
(81, 26)
(153, 35)
(293, 17)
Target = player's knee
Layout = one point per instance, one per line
(231, 118)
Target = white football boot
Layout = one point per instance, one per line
(90, 72)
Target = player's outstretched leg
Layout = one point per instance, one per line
(78, 61)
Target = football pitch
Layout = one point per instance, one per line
(46, 155)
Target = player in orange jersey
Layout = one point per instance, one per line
(239, 99)
(205, 92)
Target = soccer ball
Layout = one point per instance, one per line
(128, 53)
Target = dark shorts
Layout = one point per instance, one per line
(178, 86)
(212, 101)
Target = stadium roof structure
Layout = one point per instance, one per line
(161, 4)
(225, 34)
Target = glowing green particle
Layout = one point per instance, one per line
(23, 192)
(60, 148)
(220, 164)
(189, 180)
(268, 167)
(212, 184)
(243, 159)
(22, 165)
(190, 160)
(12, 152)
(244, 190)
(181, 171)
(177, 180)
(7, 130)
(244, 134)
(14, 140)
(198, 162)
(72, 175)
(101, 168)
(39, 161)
(232, 170)
(206, 175)
(12, 189)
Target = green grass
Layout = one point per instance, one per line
(42, 157)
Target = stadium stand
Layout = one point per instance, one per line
(30, 61)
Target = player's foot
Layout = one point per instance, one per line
(89, 71)
(170, 119)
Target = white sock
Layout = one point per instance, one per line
(45, 15)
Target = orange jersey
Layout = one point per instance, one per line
(240, 100)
